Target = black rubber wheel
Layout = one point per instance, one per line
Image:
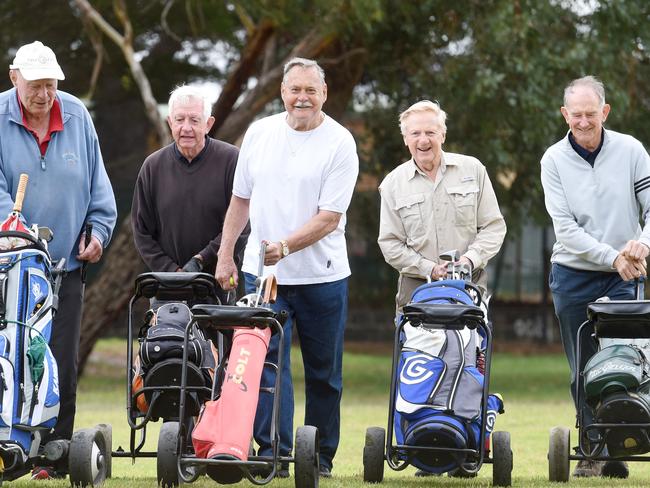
(167, 457)
(558, 454)
(106, 430)
(373, 455)
(306, 459)
(87, 458)
(501, 459)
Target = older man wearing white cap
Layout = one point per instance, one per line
(49, 135)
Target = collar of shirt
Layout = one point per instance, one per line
(197, 158)
(414, 169)
(589, 156)
(56, 124)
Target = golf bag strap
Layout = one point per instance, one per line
(3, 293)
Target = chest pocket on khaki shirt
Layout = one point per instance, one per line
(410, 212)
(464, 199)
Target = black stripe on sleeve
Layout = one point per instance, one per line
(640, 188)
(641, 182)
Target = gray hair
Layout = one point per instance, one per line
(423, 106)
(589, 82)
(186, 93)
(303, 63)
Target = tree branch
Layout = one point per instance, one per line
(120, 12)
(96, 40)
(125, 43)
(236, 82)
(98, 20)
(163, 21)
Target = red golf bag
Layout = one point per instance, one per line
(225, 427)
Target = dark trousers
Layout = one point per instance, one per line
(573, 290)
(65, 347)
(319, 312)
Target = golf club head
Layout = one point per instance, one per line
(451, 256)
(465, 271)
(247, 300)
(45, 233)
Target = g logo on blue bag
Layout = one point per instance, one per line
(415, 369)
(490, 420)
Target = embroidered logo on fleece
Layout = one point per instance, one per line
(70, 158)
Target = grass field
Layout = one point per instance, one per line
(534, 387)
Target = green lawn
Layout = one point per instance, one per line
(534, 388)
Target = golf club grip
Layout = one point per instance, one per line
(640, 288)
(89, 234)
(20, 192)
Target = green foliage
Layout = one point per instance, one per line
(499, 68)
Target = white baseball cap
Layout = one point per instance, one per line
(37, 62)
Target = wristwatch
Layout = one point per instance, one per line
(285, 248)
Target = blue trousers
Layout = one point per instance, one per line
(319, 312)
(573, 290)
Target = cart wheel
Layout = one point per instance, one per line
(373, 455)
(167, 458)
(106, 430)
(501, 459)
(306, 468)
(87, 458)
(558, 454)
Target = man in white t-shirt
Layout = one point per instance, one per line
(295, 177)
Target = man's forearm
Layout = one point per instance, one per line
(234, 224)
(321, 224)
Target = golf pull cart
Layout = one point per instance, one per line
(157, 396)
(29, 397)
(615, 384)
(214, 445)
(440, 412)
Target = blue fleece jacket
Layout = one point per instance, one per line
(68, 186)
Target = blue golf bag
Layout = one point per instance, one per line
(29, 387)
(440, 391)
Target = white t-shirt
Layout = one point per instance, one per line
(289, 176)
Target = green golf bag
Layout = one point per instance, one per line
(617, 387)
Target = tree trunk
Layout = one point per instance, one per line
(237, 80)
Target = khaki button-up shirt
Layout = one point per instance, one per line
(420, 219)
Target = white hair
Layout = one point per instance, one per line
(186, 93)
(303, 63)
(589, 82)
(423, 106)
